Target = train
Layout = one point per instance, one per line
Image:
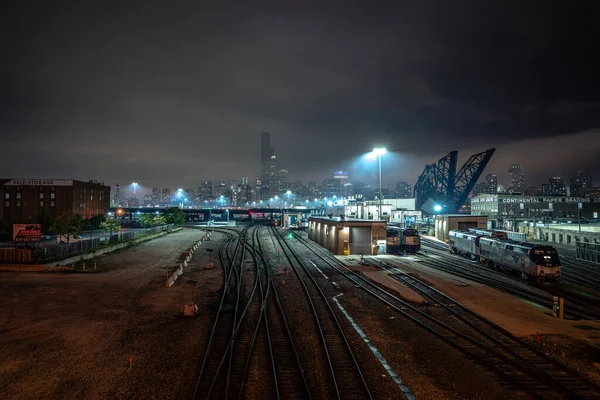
(533, 262)
(400, 240)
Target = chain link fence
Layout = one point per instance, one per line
(47, 253)
(588, 252)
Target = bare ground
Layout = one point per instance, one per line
(73, 336)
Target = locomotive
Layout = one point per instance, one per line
(537, 263)
(400, 240)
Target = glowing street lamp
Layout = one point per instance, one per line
(379, 151)
(437, 208)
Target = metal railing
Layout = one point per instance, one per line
(588, 252)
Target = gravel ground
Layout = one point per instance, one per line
(428, 366)
(71, 336)
(579, 356)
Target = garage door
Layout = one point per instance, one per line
(360, 240)
(465, 225)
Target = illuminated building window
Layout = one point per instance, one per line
(51, 195)
(51, 204)
(18, 204)
(41, 195)
(7, 203)
(18, 195)
(41, 204)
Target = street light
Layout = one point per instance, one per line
(379, 151)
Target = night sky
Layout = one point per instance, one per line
(172, 93)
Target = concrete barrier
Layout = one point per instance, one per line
(179, 271)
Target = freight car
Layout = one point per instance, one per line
(400, 240)
(536, 263)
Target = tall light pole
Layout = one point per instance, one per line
(379, 151)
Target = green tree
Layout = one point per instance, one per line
(111, 224)
(68, 223)
(47, 222)
(95, 222)
(146, 220)
(159, 220)
(174, 215)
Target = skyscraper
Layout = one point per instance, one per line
(516, 182)
(268, 167)
(579, 183)
(205, 192)
(117, 196)
(156, 196)
(166, 195)
(554, 187)
(491, 184)
(403, 190)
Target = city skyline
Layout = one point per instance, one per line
(187, 102)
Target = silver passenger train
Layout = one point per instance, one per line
(536, 263)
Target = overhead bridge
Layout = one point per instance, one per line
(206, 214)
(441, 189)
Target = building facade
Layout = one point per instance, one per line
(26, 200)
(403, 190)
(579, 183)
(516, 183)
(505, 211)
(555, 187)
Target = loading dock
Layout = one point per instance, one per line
(348, 236)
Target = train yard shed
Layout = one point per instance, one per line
(347, 236)
(448, 222)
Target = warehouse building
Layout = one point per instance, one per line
(28, 199)
(449, 222)
(344, 237)
(507, 211)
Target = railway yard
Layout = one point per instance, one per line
(279, 317)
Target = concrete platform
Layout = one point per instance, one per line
(518, 316)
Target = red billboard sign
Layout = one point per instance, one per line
(27, 232)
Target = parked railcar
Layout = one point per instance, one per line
(400, 240)
(536, 263)
(489, 232)
(464, 242)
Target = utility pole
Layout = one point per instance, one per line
(579, 206)
(380, 189)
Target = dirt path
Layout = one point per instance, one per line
(67, 336)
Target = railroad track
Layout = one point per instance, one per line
(518, 366)
(289, 380)
(347, 379)
(578, 307)
(221, 373)
(253, 336)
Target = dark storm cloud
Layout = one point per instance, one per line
(125, 92)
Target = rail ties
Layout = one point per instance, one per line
(287, 370)
(347, 380)
(518, 366)
(538, 372)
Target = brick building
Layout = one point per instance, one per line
(28, 199)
